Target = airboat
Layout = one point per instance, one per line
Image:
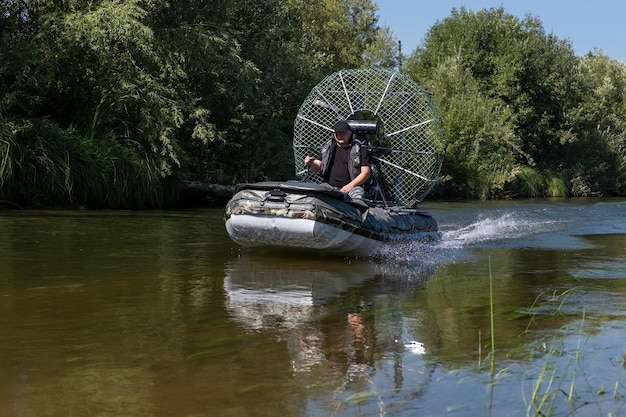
(398, 122)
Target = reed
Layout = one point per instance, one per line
(560, 382)
(529, 182)
(491, 321)
(555, 186)
(44, 165)
(6, 144)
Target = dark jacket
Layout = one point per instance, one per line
(354, 168)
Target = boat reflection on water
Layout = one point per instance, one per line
(268, 291)
(293, 297)
(341, 321)
(281, 293)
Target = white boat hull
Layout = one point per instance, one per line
(285, 232)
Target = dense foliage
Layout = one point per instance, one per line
(110, 104)
(524, 115)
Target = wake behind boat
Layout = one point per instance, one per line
(396, 122)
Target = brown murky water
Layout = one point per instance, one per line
(160, 314)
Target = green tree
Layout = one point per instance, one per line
(141, 93)
(217, 86)
(383, 50)
(482, 151)
(91, 116)
(293, 45)
(534, 135)
(597, 162)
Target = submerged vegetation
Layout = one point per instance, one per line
(112, 104)
(555, 381)
(551, 365)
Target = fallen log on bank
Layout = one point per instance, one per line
(205, 193)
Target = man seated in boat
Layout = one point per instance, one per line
(344, 162)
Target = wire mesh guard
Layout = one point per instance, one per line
(409, 149)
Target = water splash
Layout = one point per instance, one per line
(408, 262)
(487, 229)
(506, 226)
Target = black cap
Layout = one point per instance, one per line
(342, 126)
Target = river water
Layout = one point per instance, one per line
(519, 310)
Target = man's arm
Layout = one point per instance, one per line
(359, 180)
(313, 164)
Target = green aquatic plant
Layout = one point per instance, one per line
(545, 304)
(491, 323)
(547, 385)
(559, 382)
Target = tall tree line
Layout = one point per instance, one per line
(110, 104)
(524, 115)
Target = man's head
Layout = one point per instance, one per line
(342, 132)
(342, 126)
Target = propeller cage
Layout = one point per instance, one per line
(389, 111)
